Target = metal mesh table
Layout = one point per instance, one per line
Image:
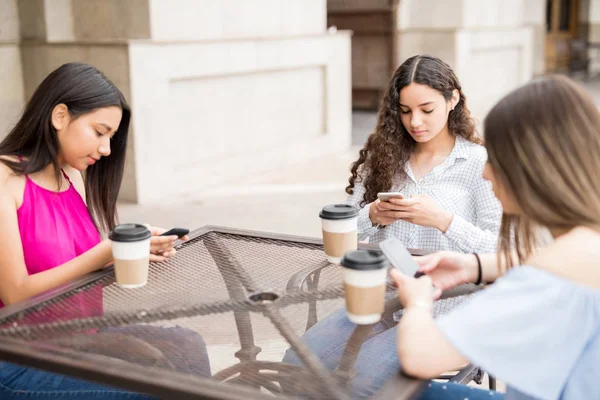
(228, 295)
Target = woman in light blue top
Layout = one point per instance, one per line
(538, 326)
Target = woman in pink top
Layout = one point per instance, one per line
(51, 217)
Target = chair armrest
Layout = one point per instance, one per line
(298, 280)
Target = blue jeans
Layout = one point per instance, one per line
(175, 348)
(17, 382)
(377, 360)
(455, 391)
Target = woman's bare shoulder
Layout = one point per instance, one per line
(11, 185)
(573, 256)
(77, 180)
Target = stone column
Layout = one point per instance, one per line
(534, 16)
(593, 19)
(485, 41)
(12, 97)
(220, 89)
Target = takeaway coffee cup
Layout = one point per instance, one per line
(340, 230)
(131, 252)
(365, 277)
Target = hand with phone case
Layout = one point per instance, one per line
(162, 246)
(448, 269)
(403, 273)
(387, 196)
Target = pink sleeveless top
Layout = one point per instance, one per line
(56, 227)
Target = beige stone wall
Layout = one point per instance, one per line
(12, 98)
(216, 113)
(488, 44)
(534, 12)
(594, 34)
(193, 20)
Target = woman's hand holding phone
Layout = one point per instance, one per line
(448, 269)
(163, 247)
(419, 210)
(378, 214)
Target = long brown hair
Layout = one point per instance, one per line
(387, 150)
(543, 143)
(83, 89)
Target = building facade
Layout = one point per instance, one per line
(219, 89)
(223, 89)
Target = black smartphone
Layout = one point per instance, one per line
(399, 256)
(179, 232)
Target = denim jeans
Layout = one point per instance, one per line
(455, 391)
(176, 348)
(377, 360)
(17, 382)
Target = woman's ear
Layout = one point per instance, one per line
(60, 117)
(455, 98)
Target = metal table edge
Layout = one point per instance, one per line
(136, 378)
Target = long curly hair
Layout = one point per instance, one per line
(387, 150)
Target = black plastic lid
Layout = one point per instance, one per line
(364, 260)
(129, 233)
(338, 211)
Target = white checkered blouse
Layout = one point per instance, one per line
(457, 185)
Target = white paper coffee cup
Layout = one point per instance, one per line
(131, 254)
(365, 278)
(340, 230)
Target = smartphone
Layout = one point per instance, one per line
(386, 196)
(399, 256)
(179, 232)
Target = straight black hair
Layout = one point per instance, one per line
(83, 89)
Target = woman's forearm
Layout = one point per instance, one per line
(490, 270)
(32, 285)
(423, 350)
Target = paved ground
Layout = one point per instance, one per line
(285, 200)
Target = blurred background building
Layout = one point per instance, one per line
(223, 91)
(493, 45)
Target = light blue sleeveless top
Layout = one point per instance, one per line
(535, 331)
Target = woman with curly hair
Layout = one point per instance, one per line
(425, 146)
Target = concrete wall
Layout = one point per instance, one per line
(216, 112)
(594, 33)
(534, 16)
(12, 98)
(487, 43)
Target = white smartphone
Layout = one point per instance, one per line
(386, 196)
(399, 256)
